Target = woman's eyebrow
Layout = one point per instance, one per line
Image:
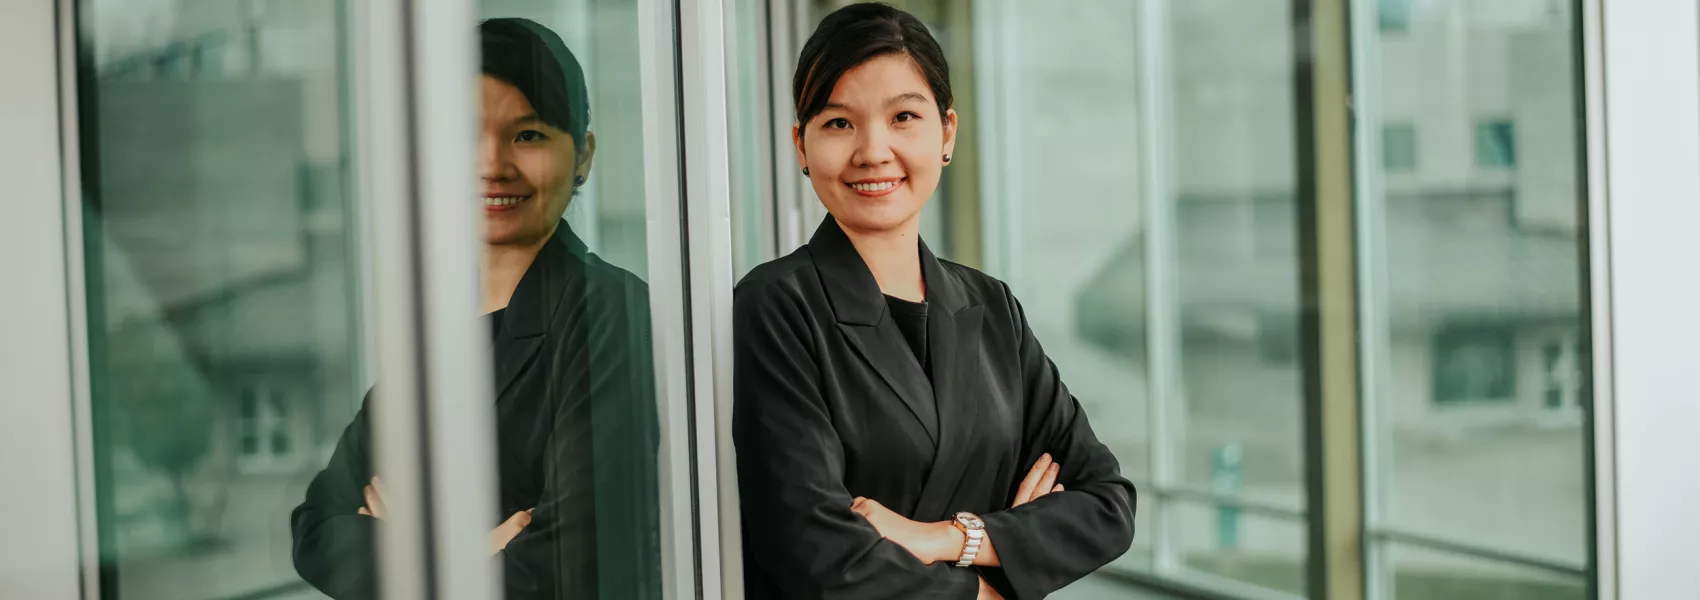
(898, 99)
(526, 118)
(906, 97)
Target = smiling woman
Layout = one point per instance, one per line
(900, 431)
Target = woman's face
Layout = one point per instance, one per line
(527, 166)
(875, 154)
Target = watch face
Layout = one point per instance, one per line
(970, 520)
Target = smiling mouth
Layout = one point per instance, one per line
(877, 188)
(504, 201)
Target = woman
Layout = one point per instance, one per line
(888, 403)
(575, 404)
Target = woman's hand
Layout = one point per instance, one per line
(500, 537)
(929, 542)
(505, 533)
(1040, 480)
(942, 541)
(987, 592)
(375, 500)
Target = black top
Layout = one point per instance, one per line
(496, 323)
(828, 406)
(911, 318)
(576, 432)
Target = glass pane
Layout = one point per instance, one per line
(1096, 148)
(1479, 432)
(749, 124)
(1422, 574)
(222, 266)
(565, 240)
(1226, 542)
(1233, 218)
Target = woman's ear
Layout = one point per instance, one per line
(797, 140)
(586, 156)
(950, 131)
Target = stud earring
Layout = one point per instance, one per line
(805, 171)
(578, 181)
(947, 159)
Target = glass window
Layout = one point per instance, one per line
(1496, 144)
(222, 264)
(1395, 15)
(228, 300)
(1398, 147)
(1476, 447)
(1137, 194)
(1474, 364)
(749, 122)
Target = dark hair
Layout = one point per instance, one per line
(854, 35)
(532, 58)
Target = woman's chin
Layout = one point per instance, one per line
(508, 234)
(876, 218)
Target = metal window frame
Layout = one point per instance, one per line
(413, 63)
(670, 296)
(1645, 168)
(37, 436)
(1329, 306)
(709, 221)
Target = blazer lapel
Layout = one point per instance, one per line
(953, 339)
(862, 316)
(883, 347)
(534, 301)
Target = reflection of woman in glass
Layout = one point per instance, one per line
(575, 405)
(888, 404)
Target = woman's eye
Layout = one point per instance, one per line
(839, 123)
(530, 135)
(906, 116)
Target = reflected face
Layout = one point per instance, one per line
(876, 153)
(527, 167)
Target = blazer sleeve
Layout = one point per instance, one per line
(333, 543)
(1051, 542)
(798, 527)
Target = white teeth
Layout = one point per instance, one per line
(874, 187)
(503, 201)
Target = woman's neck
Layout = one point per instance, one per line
(504, 266)
(894, 257)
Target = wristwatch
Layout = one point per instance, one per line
(971, 525)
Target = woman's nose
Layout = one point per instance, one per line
(873, 146)
(495, 162)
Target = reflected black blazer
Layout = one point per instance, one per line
(576, 436)
(830, 403)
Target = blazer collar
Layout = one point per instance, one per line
(850, 286)
(558, 267)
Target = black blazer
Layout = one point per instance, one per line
(576, 435)
(830, 403)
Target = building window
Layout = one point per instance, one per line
(1472, 365)
(1395, 16)
(262, 428)
(1496, 144)
(1561, 378)
(1399, 148)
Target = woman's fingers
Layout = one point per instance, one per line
(1057, 489)
(364, 511)
(1024, 493)
(375, 503)
(505, 533)
(1046, 482)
